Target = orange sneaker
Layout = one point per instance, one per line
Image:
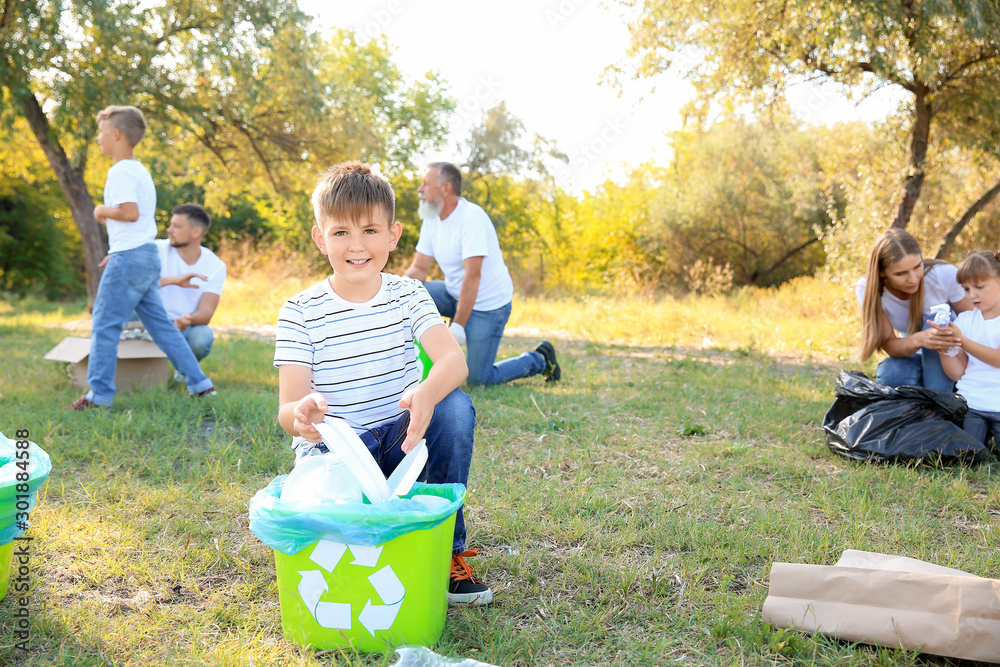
(463, 588)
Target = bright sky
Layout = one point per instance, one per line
(545, 58)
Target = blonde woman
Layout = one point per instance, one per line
(896, 297)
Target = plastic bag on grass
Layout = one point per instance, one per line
(290, 526)
(872, 422)
(418, 656)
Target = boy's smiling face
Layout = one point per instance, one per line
(358, 251)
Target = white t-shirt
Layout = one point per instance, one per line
(361, 354)
(980, 386)
(940, 286)
(468, 232)
(180, 300)
(129, 181)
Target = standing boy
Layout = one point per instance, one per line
(345, 348)
(131, 279)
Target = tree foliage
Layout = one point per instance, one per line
(751, 200)
(242, 97)
(741, 203)
(39, 251)
(945, 54)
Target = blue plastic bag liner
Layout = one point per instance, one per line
(39, 467)
(12, 532)
(290, 526)
(9, 511)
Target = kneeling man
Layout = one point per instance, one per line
(191, 276)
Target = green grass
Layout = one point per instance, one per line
(628, 515)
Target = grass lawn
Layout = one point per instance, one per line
(628, 515)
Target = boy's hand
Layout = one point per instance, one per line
(309, 411)
(104, 262)
(420, 417)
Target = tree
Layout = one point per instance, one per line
(39, 250)
(944, 53)
(239, 92)
(511, 180)
(750, 197)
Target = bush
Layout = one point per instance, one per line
(37, 253)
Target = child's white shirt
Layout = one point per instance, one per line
(980, 386)
(129, 181)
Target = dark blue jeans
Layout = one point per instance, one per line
(922, 369)
(483, 332)
(981, 424)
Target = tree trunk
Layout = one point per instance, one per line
(81, 204)
(757, 275)
(967, 217)
(920, 136)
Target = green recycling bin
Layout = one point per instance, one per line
(373, 577)
(24, 467)
(370, 598)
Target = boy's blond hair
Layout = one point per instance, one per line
(127, 119)
(352, 191)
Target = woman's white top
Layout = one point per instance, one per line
(940, 286)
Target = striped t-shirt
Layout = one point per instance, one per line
(361, 354)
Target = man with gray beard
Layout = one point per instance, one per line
(477, 291)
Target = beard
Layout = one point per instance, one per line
(429, 209)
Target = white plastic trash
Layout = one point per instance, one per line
(321, 477)
(343, 441)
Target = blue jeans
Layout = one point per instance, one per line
(981, 424)
(483, 332)
(922, 369)
(131, 281)
(199, 338)
(450, 437)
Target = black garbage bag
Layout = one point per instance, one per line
(872, 422)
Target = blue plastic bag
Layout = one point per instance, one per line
(290, 526)
(39, 467)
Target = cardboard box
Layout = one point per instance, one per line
(141, 364)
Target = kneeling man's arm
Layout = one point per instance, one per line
(419, 267)
(205, 311)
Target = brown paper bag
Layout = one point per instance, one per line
(889, 601)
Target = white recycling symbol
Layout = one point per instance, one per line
(337, 615)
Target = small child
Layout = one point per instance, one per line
(976, 368)
(131, 280)
(345, 348)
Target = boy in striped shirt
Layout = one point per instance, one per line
(345, 348)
